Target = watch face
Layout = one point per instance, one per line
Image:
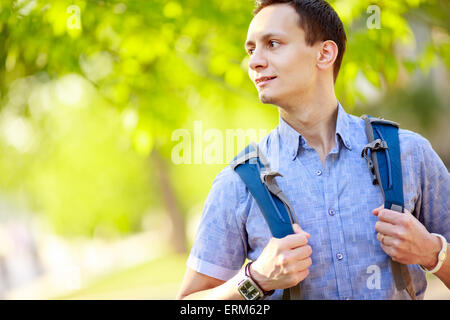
(248, 290)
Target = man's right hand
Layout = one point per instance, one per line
(283, 262)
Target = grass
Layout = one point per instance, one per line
(156, 279)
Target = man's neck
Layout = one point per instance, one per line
(315, 120)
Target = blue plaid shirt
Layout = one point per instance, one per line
(333, 203)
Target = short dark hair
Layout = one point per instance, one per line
(319, 21)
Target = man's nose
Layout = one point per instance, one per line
(257, 60)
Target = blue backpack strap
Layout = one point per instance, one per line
(255, 172)
(386, 169)
(251, 166)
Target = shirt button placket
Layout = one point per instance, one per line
(335, 229)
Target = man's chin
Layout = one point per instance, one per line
(265, 98)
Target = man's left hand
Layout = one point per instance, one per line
(405, 239)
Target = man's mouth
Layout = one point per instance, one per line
(263, 80)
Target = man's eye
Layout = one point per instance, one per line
(250, 51)
(273, 43)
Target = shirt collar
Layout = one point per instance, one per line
(293, 140)
(343, 126)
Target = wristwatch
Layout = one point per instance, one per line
(441, 256)
(249, 288)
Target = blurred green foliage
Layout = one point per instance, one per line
(89, 89)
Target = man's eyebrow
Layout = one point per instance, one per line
(263, 38)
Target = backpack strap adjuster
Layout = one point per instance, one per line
(267, 176)
(375, 145)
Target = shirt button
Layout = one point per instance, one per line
(339, 256)
(318, 172)
(331, 212)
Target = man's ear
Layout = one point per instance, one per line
(327, 54)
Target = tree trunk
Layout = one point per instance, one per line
(178, 232)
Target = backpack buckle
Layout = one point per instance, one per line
(267, 176)
(375, 145)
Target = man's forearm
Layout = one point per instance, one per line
(226, 291)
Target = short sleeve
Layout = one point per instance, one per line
(434, 193)
(220, 245)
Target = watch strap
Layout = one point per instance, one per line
(248, 274)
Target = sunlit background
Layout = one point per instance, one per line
(92, 205)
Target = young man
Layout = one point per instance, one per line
(343, 244)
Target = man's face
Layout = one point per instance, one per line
(281, 64)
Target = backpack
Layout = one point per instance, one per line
(384, 164)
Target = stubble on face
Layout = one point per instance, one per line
(266, 98)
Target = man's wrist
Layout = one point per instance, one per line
(259, 278)
(433, 258)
